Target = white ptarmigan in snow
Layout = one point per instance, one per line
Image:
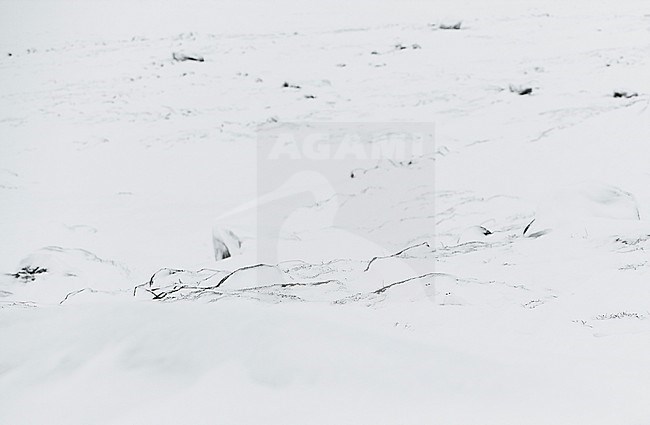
(225, 243)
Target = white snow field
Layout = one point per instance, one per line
(502, 277)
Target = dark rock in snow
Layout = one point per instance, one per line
(290, 86)
(455, 26)
(182, 57)
(521, 91)
(28, 274)
(473, 234)
(625, 94)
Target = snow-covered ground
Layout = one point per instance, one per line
(499, 276)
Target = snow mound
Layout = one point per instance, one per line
(583, 207)
(52, 273)
(474, 234)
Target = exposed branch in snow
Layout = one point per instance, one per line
(91, 290)
(291, 284)
(163, 294)
(395, 255)
(385, 288)
(172, 271)
(229, 275)
(543, 134)
(406, 163)
(7, 304)
(275, 289)
(401, 220)
(358, 171)
(304, 263)
(73, 293)
(467, 247)
(169, 270)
